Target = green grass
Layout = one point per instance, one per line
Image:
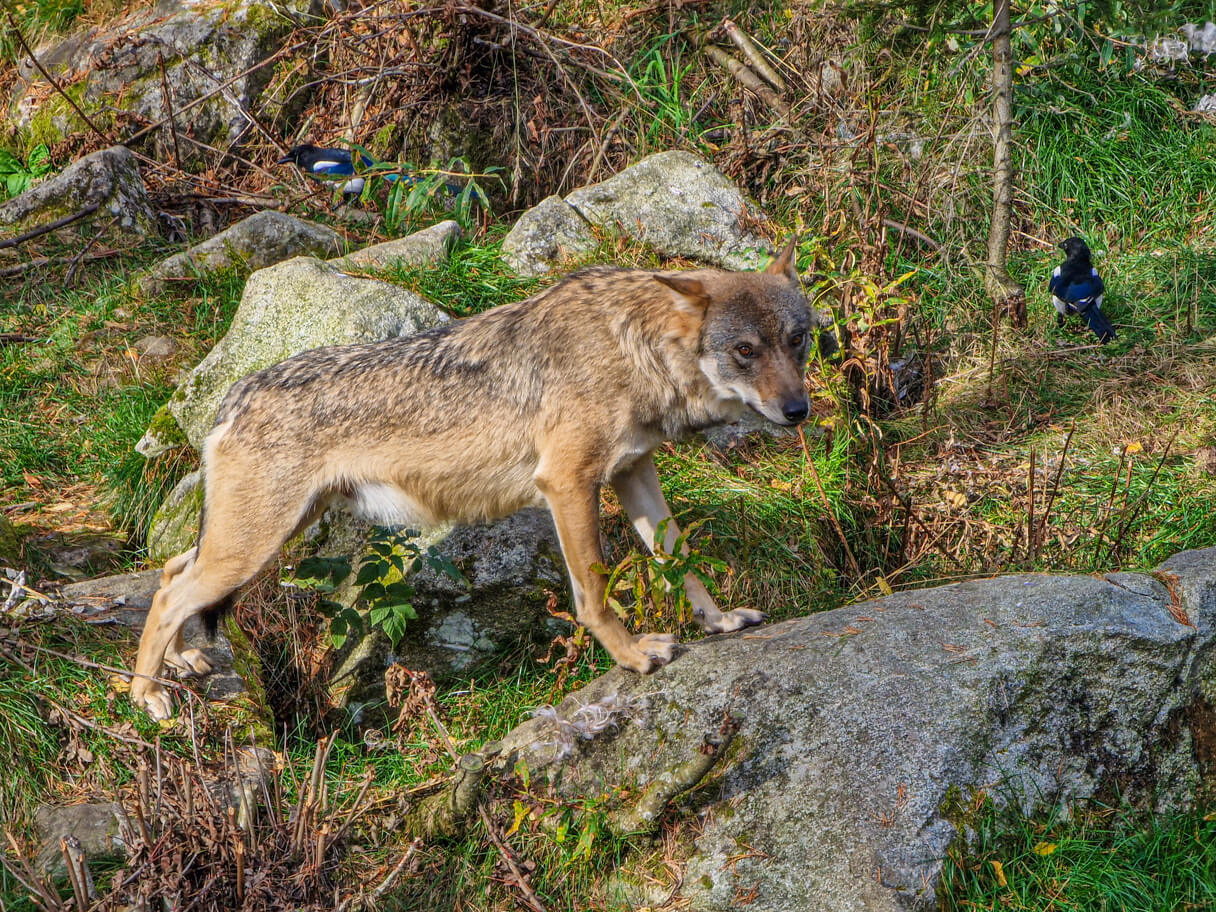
(474, 278)
(60, 715)
(1101, 859)
(74, 402)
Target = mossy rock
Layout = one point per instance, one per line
(10, 543)
(288, 308)
(174, 526)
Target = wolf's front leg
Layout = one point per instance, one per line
(574, 503)
(640, 495)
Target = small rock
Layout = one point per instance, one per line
(422, 248)
(1205, 459)
(108, 179)
(261, 240)
(95, 825)
(156, 347)
(545, 237)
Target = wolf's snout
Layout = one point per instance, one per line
(795, 411)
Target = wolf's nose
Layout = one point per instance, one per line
(795, 412)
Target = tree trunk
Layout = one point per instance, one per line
(1008, 297)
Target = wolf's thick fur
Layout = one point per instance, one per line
(537, 402)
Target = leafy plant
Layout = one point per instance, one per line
(382, 581)
(657, 580)
(18, 176)
(414, 192)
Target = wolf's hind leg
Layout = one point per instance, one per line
(187, 661)
(247, 523)
(187, 594)
(638, 490)
(575, 506)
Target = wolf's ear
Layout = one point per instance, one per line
(690, 292)
(786, 263)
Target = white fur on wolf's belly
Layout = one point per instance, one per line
(386, 505)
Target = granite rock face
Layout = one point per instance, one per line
(674, 201)
(862, 728)
(288, 308)
(197, 68)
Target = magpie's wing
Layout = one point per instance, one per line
(333, 161)
(1053, 283)
(1079, 289)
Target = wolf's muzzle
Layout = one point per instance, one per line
(795, 411)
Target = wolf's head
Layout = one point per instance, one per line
(755, 334)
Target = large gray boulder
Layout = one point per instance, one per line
(288, 308)
(674, 201)
(107, 182)
(261, 240)
(863, 731)
(199, 59)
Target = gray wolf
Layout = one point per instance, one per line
(540, 402)
(1076, 288)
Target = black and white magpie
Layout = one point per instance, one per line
(1076, 288)
(335, 165)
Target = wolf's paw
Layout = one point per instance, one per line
(658, 648)
(190, 661)
(734, 620)
(152, 697)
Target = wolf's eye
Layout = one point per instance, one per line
(745, 350)
(797, 339)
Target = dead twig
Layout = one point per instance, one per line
(1055, 483)
(827, 508)
(755, 56)
(79, 258)
(54, 85)
(164, 89)
(50, 226)
(747, 78)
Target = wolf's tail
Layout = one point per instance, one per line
(1099, 324)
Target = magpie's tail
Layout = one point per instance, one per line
(1099, 324)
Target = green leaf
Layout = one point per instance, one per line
(338, 629)
(368, 573)
(400, 591)
(585, 839)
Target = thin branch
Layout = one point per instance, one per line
(50, 226)
(49, 78)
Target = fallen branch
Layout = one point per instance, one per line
(29, 265)
(50, 226)
(642, 816)
(755, 56)
(911, 232)
(747, 77)
(529, 895)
